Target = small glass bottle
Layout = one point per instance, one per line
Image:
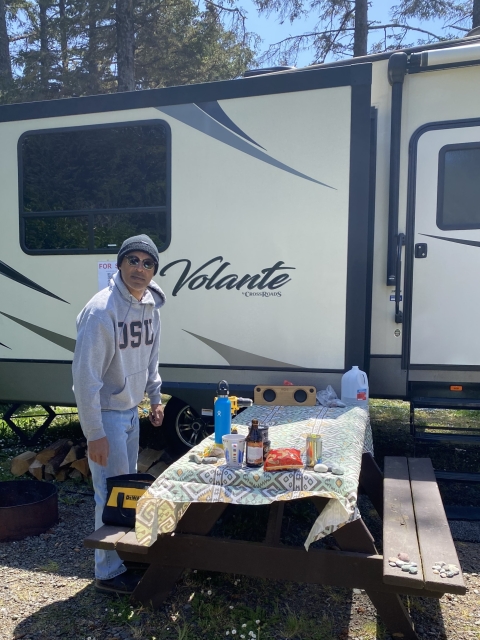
(254, 446)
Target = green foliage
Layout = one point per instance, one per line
(64, 48)
(29, 418)
(334, 35)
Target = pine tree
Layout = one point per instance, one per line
(343, 26)
(125, 28)
(62, 48)
(5, 63)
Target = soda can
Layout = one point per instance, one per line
(314, 449)
(266, 449)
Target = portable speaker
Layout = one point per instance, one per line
(288, 396)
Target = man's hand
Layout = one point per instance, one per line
(156, 415)
(98, 451)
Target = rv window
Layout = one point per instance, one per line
(105, 183)
(111, 229)
(458, 201)
(56, 233)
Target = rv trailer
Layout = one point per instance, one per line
(307, 220)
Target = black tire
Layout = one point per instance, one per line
(185, 428)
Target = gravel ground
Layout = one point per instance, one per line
(46, 591)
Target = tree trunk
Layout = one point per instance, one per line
(63, 36)
(360, 43)
(92, 52)
(44, 55)
(125, 45)
(5, 64)
(476, 14)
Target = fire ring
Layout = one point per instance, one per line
(27, 508)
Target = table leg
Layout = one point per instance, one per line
(274, 525)
(156, 584)
(200, 518)
(355, 536)
(392, 611)
(158, 581)
(371, 481)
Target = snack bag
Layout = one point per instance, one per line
(283, 460)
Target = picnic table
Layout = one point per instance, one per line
(346, 435)
(177, 513)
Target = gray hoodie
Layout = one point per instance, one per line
(116, 355)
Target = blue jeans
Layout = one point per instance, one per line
(122, 431)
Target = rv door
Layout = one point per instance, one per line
(446, 235)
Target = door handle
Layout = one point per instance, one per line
(421, 250)
(398, 278)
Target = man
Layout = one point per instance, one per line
(115, 362)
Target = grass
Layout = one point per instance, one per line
(390, 422)
(49, 567)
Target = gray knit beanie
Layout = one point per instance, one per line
(139, 243)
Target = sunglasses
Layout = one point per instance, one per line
(133, 261)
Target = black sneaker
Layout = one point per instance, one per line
(136, 566)
(125, 583)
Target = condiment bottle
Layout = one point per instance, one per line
(254, 446)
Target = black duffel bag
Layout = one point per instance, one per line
(123, 493)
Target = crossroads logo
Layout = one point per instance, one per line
(213, 275)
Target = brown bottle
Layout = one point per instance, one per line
(254, 446)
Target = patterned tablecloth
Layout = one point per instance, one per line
(346, 434)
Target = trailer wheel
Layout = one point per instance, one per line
(185, 428)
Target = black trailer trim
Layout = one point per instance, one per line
(247, 368)
(33, 361)
(397, 68)
(16, 276)
(371, 235)
(410, 229)
(359, 249)
(444, 367)
(351, 75)
(385, 355)
(205, 367)
(207, 386)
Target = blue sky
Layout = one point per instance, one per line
(270, 29)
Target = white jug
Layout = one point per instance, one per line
(355, 388)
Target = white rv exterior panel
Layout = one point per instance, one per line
(227, 204)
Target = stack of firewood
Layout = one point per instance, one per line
(63, 459)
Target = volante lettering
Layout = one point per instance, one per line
(269, 278)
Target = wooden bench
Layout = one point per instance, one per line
(414, 522)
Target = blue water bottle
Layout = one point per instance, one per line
(222, 411)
